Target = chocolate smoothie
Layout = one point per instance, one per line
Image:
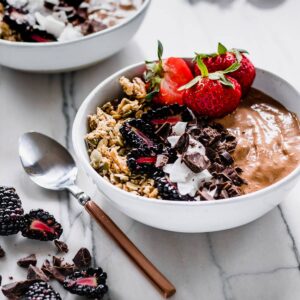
(268, 138)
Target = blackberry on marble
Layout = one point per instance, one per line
(40, 225)
(90, 283)
(41, 291)
(11, 211)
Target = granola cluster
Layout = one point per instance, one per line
(106, 145)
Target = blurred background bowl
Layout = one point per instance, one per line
(72, 55)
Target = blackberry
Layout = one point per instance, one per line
(142, 161)
(11, 211)
(40, 225)
(41, 291)
(168, 114)
(139, 134)
(168, 190)
(90, 283)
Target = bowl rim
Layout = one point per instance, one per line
(144, 6)
(77, 144)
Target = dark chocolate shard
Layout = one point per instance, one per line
(83, 258)
(204, 195)
(47, 268)
(0, 280)
(57, 261)
(61, 246)
(27, 261)
(17, 289)
(2, 252)
(182, 144)
(196, 161)
(163, 131)
(233, 176)
(226, 158)
(56, 274)
(36, 273)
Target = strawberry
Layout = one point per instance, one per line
(164, 78)
(223, 59)
(212, 94)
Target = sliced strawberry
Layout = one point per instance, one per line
(166, 76)
(146, 160)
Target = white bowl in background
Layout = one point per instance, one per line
(66, 56)
(179, 216)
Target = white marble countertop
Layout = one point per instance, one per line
(257, 261)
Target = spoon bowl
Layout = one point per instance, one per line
(47, 162)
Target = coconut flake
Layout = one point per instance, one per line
(70, 33)
(173, 139)
(179, 128)
(178, 172)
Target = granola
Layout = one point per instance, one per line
(106, 147)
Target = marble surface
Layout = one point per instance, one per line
(257, 261)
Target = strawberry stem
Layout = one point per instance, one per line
(202, 67)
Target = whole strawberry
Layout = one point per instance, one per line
(212, 94)
(223, 59)
(164, 78)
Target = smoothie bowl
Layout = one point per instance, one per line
(64, 34)
(206, 150)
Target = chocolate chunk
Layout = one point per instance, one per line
(163, 131)
(0, 280)
(61, 246)
(91, 26)
(27, 261)
(210, 136)
(57, 275)
(233, 176)
(196, 161)
(195, 132)
(226, 158)
(83, 258)
(204, 195)
(36, 273)
(182, 144)
(47, 268)
(57, 261)
(2, 252)
(17, 289)
(161, 160)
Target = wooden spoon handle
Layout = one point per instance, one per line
(164, 286)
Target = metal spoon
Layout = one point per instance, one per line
(51, 166)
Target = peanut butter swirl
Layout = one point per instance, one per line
(268, 138)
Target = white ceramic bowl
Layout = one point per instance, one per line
(66, 56)
(180, 216)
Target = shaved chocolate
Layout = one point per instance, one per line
(27, 261)
(182, 144)
(47, 268)
(83, 258)
(163, 131)
(0, 280)
(196, 161)
(61, 246)
(36, 273)
(2, 252)
(57, 261)
(17, 289)
(226, 158)
(204, 195)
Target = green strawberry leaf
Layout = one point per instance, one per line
(242, 50)
(225, 81)
(235, 66)
(201, 65)
(221, 49)
(150, 95)
(190, 84)
(160, 50)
